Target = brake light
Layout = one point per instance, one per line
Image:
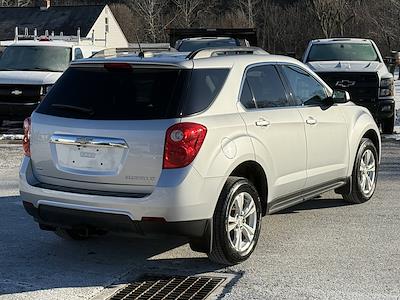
(118, 66)
(26, 142)
(182, 144)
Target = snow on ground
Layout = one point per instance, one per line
(11, 137)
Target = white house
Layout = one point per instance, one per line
(96, 22)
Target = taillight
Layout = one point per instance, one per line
(26, 142)
(182, 143)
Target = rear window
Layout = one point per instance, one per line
(132, 94)
(194, 45)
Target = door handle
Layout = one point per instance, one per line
(311, 121)
(263, 123)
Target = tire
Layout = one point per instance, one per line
(227, 247)
(1, 122)
(388, 125)
(72, 234)
(362, 188)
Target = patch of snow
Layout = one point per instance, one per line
(11, 137)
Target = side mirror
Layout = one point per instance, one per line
(340, 96)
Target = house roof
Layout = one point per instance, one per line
(58, 18)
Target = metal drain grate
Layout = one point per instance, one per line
(169, 288)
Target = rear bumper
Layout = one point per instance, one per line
(16, 111)
(53, 217)
(177, 199)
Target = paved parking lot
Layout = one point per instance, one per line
(317, 250)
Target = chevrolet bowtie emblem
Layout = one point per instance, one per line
(345, 83)
(16, 92)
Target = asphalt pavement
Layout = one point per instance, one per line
(321, 249)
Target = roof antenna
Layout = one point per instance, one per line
(141, 53)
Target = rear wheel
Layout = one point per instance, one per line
(365, 173)
(236, 222)
(388, 125)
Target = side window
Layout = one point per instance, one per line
(267, 87)
(307, 90)
(247, 97)
(107, 27)
(78, 53)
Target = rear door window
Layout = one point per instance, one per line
(267, 87)
(100, 93)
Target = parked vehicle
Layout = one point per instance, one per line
(29, 68)
(192, 39)
(357, 66)
(201, 146)
(193, 44)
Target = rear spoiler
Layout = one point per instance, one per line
(248, 34)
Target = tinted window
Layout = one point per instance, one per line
(306, 89)
(204, 87)
(193, 45)
(130, 94)
(35, 58)
(247, 97)
(343, 52)
(78, 53)
(267, 87)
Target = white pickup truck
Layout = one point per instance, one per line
(29, 68)
(357, 66)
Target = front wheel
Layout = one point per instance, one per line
(365, 173)
(236, 222)
(388, 125)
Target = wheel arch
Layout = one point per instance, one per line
(373, 136)
(371, 133)
(255, 173)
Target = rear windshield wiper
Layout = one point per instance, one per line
(85, 110)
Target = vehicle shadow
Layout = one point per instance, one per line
(316, 203)
(32, 260)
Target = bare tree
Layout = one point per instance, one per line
(383, 22)
(188, 11)
(20, 3)
(272, 29)
(249, 9)
(151, 13)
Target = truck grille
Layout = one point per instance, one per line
(363, 87)
(19, 93)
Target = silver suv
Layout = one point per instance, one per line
(198, 147)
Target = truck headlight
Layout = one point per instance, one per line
(45, 89)
(387, 87)
(386, 92)
(387, 82)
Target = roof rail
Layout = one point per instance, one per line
(211, 52)
(148, 50)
